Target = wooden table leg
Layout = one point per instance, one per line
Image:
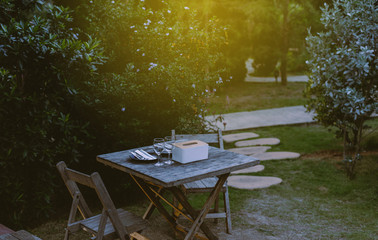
(151, 207)
(199, 218)
(155, 200)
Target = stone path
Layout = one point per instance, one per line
(254, 169)
(239, 136)
(250, 78)
(263, 118)
(253, 148)
(252, 182)
(276, 155)
(258, 142)
(250, 150)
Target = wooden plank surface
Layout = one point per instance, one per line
(219, 162)
(209, 138)
(19, 235)
(5, 230)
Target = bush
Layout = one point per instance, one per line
(41, 62)
(343, 72)
(163, 61)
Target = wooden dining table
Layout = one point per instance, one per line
(19, 235)
(219, 163)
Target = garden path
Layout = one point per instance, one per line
(256, 147)
(262, 118)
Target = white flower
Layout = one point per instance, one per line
(193, 85)
(112, 1)
(143, 54)
(135, 31)
(199, 115)
(206, 90)
(142, 0)
(132, 26)
(169, 28)
(123, 109)
(138, 70)
(174, 100)
(138, 50)
(186, 8)
(191, 28)
(143, 8)
(167, 34)
(169, 11)
(152, 65)
(214, 90)
(160, 22)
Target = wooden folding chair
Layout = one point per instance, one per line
(208, 184)
(112, 223)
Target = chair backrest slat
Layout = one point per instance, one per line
(208, 137)
(79, 177)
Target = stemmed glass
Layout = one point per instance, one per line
(168, 148)
(158, 148)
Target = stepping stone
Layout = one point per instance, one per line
(276, 155)
(250, 150)
(258, 142)
(239, 136)
(252, 182)
(254, 169)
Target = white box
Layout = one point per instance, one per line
(190, 151)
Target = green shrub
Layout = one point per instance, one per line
(343, 72)
(41, 62)
(163, 61)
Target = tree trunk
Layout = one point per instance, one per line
(285, 41)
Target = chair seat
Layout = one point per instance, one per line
(131, 222)
(203, 185)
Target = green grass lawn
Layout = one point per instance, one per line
(315, 199)
(246, 96)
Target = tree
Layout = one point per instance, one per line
(278, 33)
(285, 40)
(343, 72)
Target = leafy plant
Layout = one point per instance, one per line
(343, 72)
(164, 59)
(42, 61)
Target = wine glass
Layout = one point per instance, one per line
(158, 148)
(168, 148)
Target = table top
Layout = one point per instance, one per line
(219, 162)
(19, 235)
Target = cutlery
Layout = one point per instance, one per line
(138, 156)
(147, 154)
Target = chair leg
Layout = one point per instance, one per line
(66, 235)
(216, 208)
(228, 211)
